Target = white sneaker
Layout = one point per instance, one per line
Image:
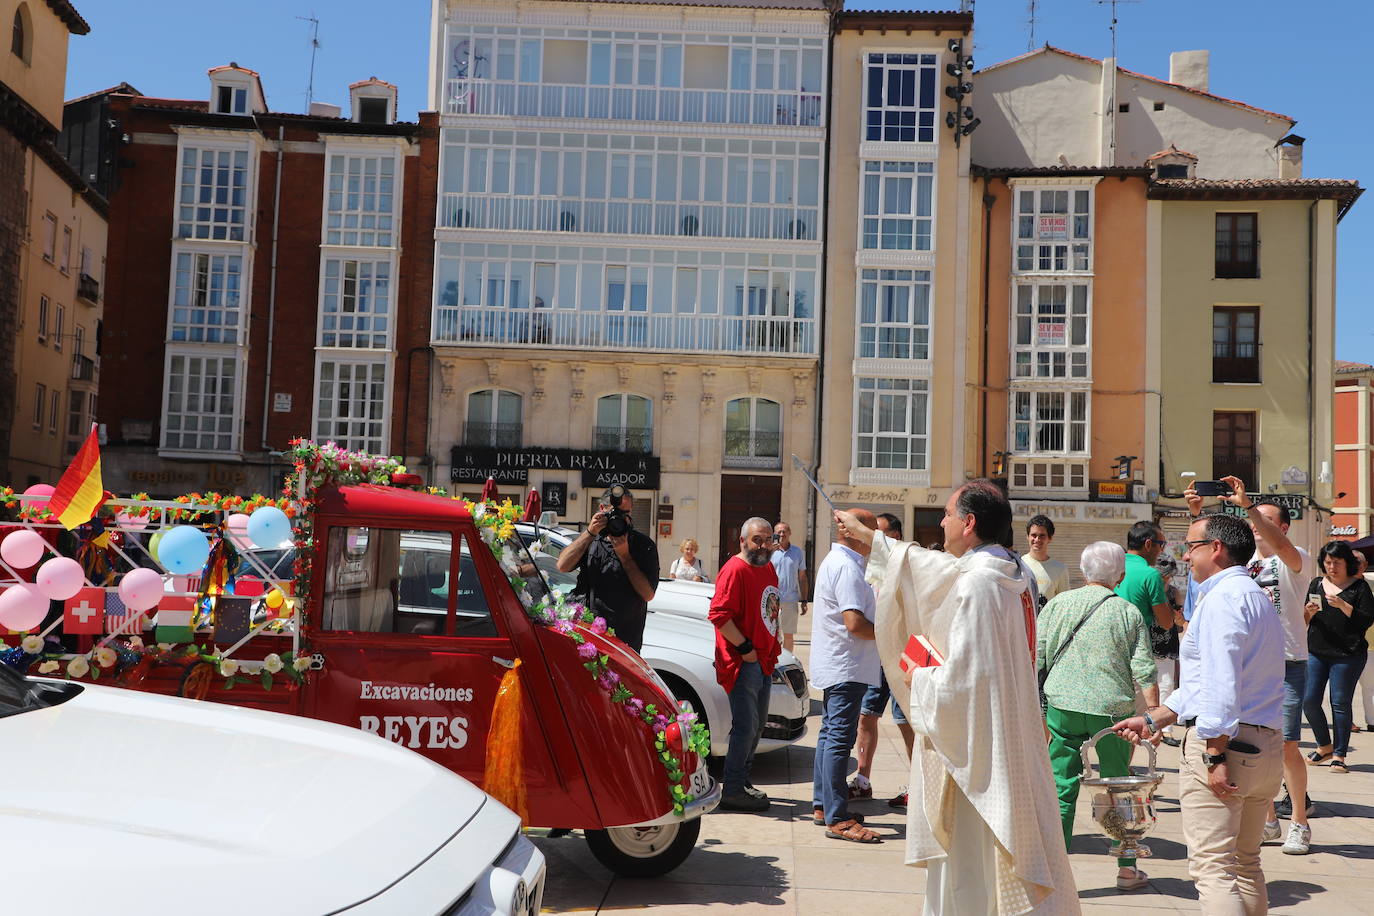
(1299, 841)
(1271, 831)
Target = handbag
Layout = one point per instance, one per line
(1043, 674)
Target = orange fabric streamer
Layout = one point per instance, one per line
(504, 779)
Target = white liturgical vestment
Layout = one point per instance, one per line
(984, 814)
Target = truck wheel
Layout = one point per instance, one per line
(644, 852)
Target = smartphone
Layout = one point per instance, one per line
(1243, 746)
(776, 539)
(1211, 488)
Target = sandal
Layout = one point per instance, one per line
(1338, 766)
(1133, 883)
(852, 831)
(818, 817)
(1317, 758)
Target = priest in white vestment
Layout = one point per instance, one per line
(983, 817)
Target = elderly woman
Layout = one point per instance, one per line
(1095, 647)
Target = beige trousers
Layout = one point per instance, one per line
(1224, 834)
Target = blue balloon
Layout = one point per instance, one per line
(184, 550)
(268, 527)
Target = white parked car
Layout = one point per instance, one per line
(679, 644)
(227, 805)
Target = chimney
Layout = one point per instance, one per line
(325, 110)
(1290, 156)
(1189, 68)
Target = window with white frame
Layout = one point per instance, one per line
(493, 418)
(357, 304)
(1050, 422)
(893, 422)
(1051, 331)
(624, 423)
(40, 394)
(49, 237)
(1053, 230)
(65, 265)
(213, 197)
(753, 433)
(54, 408)
(897, 200)
(352, 404)
(59, 322)
(230, 99)
(201, 394)
(76, 415)
(206, 305)
(900, 98)
(361, 201)
(43, 307)
(894, 314)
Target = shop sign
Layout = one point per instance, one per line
(1118, 490)
(554, 496)
(1067, 511)
(875, 496)
(599, 468)
(1343, 531)
(1292, 502)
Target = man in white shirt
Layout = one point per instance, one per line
(1230, 701)
(1283, 570)
(844, 664)
(790, 563)
(1051, 576)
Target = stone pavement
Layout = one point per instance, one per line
(780, 862)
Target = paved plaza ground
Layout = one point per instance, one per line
(780, 862)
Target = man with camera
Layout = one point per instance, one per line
(617, 567)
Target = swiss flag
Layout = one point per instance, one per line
(84, 614)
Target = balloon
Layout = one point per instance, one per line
(22, 549)
(155, 542)
(38, 489)
(184, 550)
(140, 589)
(236, 526)
(60, 578)
(131, 522)
(274, 598)
(268, 527)
(22, 607)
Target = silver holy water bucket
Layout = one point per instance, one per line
(1123, 806)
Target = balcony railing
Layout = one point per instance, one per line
(83, 368)
(752, 449)
(550, 214)
(495, 435)
(758, 334)
(634, 103)
(88, 288)
(623, 439)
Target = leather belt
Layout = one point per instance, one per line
(1189, 723)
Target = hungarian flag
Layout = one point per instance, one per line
(81, 491)
(176, 619)
(85, 613)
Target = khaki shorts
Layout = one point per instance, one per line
(787, 617)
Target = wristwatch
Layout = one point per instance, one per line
(1150, 722)
(1212, 760)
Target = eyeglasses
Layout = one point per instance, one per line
(1191, 544)
(1164, 543)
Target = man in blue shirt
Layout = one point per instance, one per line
(1230, 701)
(790, 563)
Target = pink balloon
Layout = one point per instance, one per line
(22, 607)
(140, 589)
(22, 549)
(131, 522)
(60, 578)
(38, 489)
(237, 527)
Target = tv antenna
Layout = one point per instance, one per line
(1112, 27)
(1112, 105)
(1032, 10)
(314, 46)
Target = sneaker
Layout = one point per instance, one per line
(744, 802)
(755, 791)
(1284, 806)
(1271, 832)
(1299, 841)
(858, 791)
(898, 800)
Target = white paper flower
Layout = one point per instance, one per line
(272, 663)
(301, 663)
(136, 642)
(48, 667)
(165, 646)
(32, 644)
(105, 656)
(228, 667)
(78, 667)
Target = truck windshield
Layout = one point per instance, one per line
(524, 569)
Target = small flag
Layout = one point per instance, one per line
(231, 619)
(175, 617)
(116, 613)
(249, 587)
(85, 613)
(81, 491)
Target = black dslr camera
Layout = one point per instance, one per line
(617, 520)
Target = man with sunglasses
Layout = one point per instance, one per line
(1230, 703)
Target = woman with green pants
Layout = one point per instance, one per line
(1096, 648)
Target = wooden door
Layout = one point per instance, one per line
(743, 496)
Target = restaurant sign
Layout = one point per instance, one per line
(598, 468)
(1293, 503)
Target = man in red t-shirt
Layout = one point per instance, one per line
(745, 612)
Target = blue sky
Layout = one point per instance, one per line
(1322, 81)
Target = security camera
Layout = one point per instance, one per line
(955, 46)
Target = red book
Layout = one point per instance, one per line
(920, 653)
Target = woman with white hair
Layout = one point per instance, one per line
(1092, 648)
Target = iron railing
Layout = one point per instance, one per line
(497, 435)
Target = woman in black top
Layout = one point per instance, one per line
(1340, 608)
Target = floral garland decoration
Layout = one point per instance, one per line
(496, 525)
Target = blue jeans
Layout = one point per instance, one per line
(839, 729)
(1344, 674)
(748, 715)
(1294, 696)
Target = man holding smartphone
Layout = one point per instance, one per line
(1230, 703)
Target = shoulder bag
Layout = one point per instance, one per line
(1044, 673)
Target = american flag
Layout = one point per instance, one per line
(116, 614)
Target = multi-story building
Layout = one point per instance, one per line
(1353, 466)
(897, 244)
(52, 255)
(265, 275)
(628, 255)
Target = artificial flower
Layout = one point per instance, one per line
(587, 650)
(78, 667)
(49, 666)
(598, 625)
(228, 667)
(135, 642)
(301, 663)
(272, 663)
(105, 656)
(32, 645)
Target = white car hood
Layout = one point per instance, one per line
(217, 802)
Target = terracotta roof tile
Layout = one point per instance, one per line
(1343, 190)
(70, 17)
(1345, 365)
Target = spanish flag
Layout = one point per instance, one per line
(81, 491)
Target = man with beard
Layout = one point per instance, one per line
(744, 611)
